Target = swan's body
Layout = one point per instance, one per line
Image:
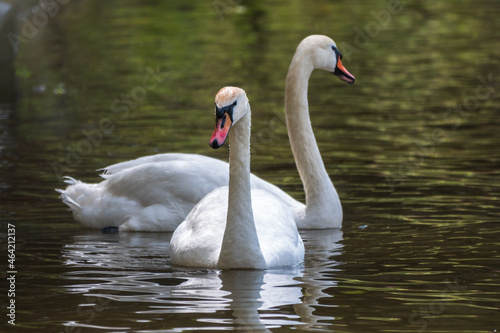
(236, 226)
(155, 193)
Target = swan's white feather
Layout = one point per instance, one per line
(113, 202)
(237, 227)
(197, 241)
(153, 193)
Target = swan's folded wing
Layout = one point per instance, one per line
(168, 157)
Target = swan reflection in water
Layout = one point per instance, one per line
(131, 272)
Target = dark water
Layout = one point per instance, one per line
(412, 149)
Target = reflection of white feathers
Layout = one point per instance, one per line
(318, 274)
(131, 271)
(155, 193)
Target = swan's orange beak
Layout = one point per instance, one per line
(222, 127)
(343, 73)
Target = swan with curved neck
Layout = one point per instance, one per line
(323, 208)
(237, 227)
(155, 193)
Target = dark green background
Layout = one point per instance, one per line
(412, 148)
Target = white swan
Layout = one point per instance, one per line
(155, 193)
(323, 209)
(237, 227)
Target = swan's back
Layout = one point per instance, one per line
(152, 193)
(151, 159)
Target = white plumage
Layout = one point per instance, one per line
(152, 193)
(155, 193)
(236, 226)
(197, 241)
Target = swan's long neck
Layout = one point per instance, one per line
(240, 245)
(318, 187)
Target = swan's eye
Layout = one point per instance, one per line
(337, 52)
(219, 112)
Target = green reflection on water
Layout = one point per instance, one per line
(417, 175)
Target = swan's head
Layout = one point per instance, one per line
(231, 104)
(325, 55)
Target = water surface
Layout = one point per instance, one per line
(412, 148)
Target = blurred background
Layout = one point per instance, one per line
(412, 148)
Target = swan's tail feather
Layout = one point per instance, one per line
(67, 200)
(70, 181)
(105, 173)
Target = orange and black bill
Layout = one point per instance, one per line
(223, 123)
(341, 71)
(222, 127)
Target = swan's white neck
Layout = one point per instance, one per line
(240, 245)
(323, 208)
